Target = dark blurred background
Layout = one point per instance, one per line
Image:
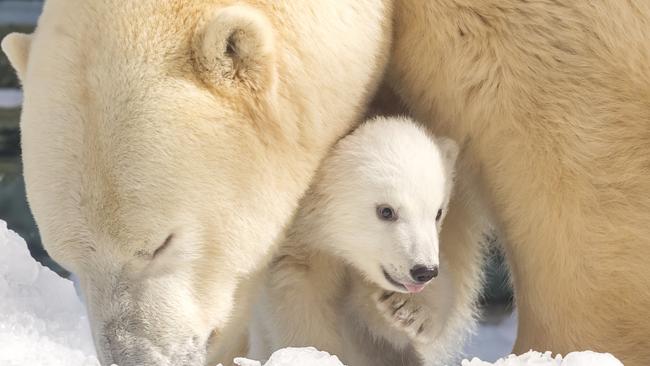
(21, 16)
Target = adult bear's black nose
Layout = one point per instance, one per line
(422, 274)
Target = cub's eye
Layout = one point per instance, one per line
(386, 213)
(439, 215)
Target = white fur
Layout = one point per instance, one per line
(197, 121)
(326, 287)
(124, 140)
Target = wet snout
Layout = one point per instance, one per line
(423, 273)
(424, 258)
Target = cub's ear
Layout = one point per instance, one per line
(234, 47)
(449, 151)
(16, 46)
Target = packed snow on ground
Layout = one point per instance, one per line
(295, 357)
(43, 323)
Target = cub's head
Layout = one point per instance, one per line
(381, 198)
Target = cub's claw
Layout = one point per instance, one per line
(405, 313)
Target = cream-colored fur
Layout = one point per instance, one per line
(166, 144)
(553, 101)
(325, 287)
(126, 139)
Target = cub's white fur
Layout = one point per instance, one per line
(337, 282)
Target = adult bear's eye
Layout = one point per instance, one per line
(439, 215)
(386, 213)
(164, 246)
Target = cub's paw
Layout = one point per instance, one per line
(404, 312)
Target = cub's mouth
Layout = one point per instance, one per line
(391, 280)
(402, 287)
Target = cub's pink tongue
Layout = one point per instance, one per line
(414, 288)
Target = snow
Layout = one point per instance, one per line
(312, 357)
(587, 358)
(43, 322)
(295, 357)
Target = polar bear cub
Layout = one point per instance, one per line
(359, 273)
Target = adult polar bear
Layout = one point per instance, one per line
(552, 99)
(167, 142)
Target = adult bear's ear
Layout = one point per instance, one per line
(234, 47)
(449, 152)
(16, 46)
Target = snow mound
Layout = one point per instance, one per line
(295, 357)
(587, 358)
(312, 357)
(42, 321)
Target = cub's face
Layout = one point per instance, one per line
(387, 196)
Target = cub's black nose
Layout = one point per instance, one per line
(422, 274)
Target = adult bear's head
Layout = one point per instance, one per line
(166, 143)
